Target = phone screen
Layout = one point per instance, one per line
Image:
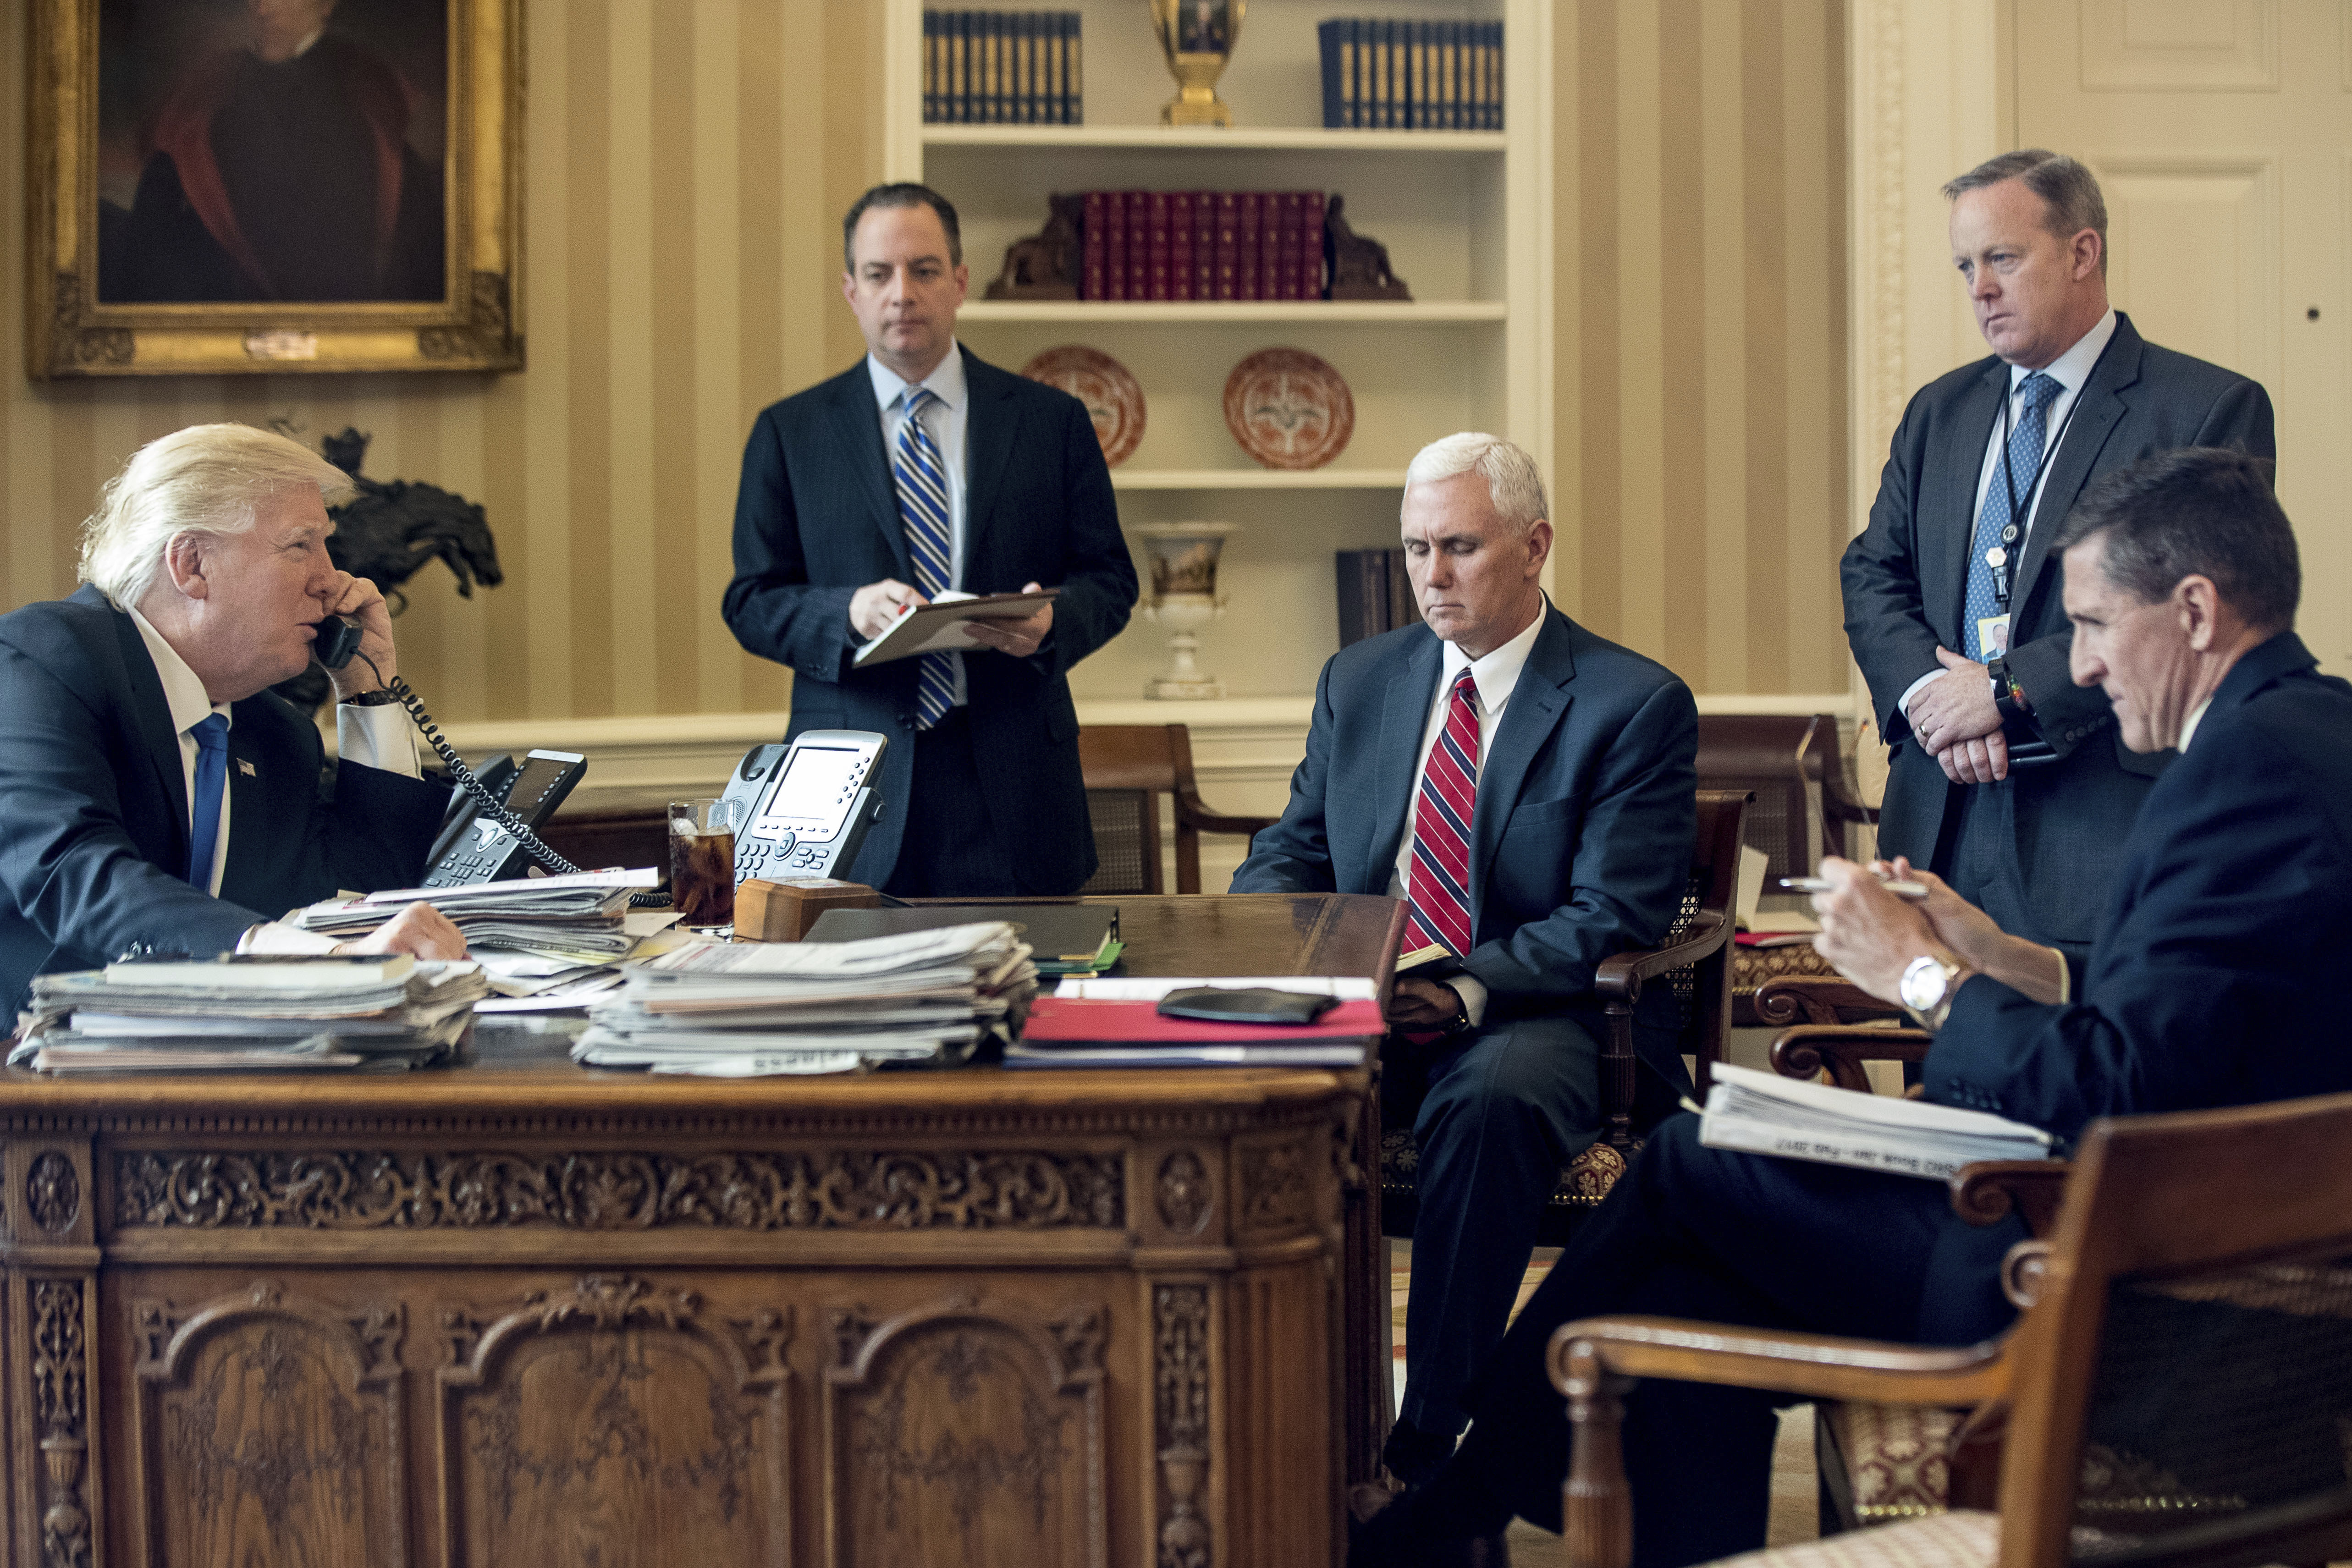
(538, 775)
(815, 793)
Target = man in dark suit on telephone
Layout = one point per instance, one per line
(158, 793)
(1530, 788)
(923, 469)
(2005, 777)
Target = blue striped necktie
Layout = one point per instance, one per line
(1996, 529)
(921, 475)
(211, 782)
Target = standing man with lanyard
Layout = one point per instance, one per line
(2007, 779)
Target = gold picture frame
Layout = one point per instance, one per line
(98, 304)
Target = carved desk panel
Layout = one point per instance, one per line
(515, 1313)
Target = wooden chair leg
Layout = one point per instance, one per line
(1596, 1504)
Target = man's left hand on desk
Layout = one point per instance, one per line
(419, 930)
(1018, 638)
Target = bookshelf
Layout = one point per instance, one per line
(1468, 220)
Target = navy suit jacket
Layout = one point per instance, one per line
(94, 830)
(1903, 577)
(2215, 979)
(817, 519)
(1581, 835)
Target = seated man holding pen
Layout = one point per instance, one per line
(2208, 986)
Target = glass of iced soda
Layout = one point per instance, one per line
(702, 862)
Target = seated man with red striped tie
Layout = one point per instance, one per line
(1532, 789)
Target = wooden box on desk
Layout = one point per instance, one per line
(783, 910)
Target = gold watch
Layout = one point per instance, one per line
(1928, 984)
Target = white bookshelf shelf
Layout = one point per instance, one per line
(1193, 139)
(1258, 478)
(1380, 312)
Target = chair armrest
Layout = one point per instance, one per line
(1819, 1366)
(1194, 814)
(1620, 976)
(1804, 1051)
(1594, 1361)
(1989, 1191)
(1817, 998)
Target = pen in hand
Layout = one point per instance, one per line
(1897, 886)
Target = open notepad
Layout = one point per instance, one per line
(944, 625)
(1763, 1113)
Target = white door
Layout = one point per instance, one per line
(2222, 132)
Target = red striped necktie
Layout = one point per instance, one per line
(1441, 828)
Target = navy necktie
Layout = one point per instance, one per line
(1996, 527)
(212, 783)
(921, 475)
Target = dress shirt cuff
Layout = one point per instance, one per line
(379, 737)
(2065, 978)
(1473, 992)
(278, 937)
(1913, 690)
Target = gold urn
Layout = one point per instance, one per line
(1197, 36)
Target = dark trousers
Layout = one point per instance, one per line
(1977, 853)
(1692, 1233)
(951, 848)
(1495, 1115)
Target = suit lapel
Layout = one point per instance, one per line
(1394, 766)
(152, 717)
(989, 429)
(2096, 413)
(1536, 708)
(1944, 564)
(859, 424)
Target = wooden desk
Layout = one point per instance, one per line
(518, 1313)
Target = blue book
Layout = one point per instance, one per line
(1327, 43)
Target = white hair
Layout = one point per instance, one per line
(207, 478)
(1513, 484)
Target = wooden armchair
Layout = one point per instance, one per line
(1127, 766)
(1793, 765)
(2177, 1391)
(1695, 960)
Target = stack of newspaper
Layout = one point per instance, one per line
(379, 1012)
(748, 1009)
(1764, 1114)
(575, 921)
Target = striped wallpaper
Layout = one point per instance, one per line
(685, 167)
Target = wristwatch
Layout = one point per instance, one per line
(379, 698)
(1461, 1018)
(1928, 982)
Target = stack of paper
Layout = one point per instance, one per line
(242, 1014)
(1767, 1114)
(575, 919)
(748, 1009)
(1064, 938)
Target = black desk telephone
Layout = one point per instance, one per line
(494, 839)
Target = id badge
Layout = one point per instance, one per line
(1992, 636)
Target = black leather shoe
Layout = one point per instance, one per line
(1380, 1535)
(1412, 1455)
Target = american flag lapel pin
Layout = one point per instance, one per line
(246, 767)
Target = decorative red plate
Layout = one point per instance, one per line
(1113, 399)
(1289, 409)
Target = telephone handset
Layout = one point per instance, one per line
(498, 842)
(814, 806)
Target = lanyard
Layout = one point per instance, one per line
(2002, 556)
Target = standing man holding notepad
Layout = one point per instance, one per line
(923, 470)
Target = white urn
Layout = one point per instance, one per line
(1185, 599)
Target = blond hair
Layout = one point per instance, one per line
(207, 478)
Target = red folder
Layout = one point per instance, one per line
(1070, 1021)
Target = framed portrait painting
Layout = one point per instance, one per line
(275, 185)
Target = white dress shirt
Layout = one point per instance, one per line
(381, 736)
(2071, 371)
(2189, 726)
(1496, 677)
(945, 419)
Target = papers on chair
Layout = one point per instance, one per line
(1753, 863)
(744, 1010)
(1764, 1114)
(944, 624)
(387, 1012)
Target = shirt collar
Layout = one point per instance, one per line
(2189, 726)
(945, 382)
(2073, 368)
(183, 691)
(1498, 671)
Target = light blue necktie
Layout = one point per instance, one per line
(211, 782)
(1995, 527)
(922, 480)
